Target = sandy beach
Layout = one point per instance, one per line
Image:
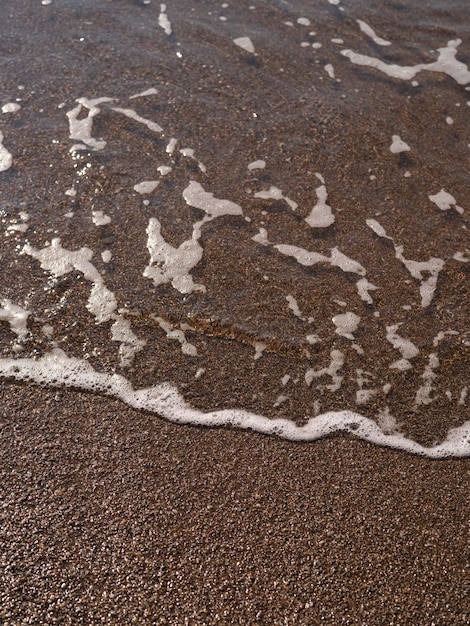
(260, 208)
(112, 516)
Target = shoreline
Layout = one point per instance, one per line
(113, 515)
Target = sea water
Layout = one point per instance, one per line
(247, 214)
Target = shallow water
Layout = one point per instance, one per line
(256, 210)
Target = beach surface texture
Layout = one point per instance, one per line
(234, 312)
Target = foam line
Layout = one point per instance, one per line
(446, 63)
(57, 369)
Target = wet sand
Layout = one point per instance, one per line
(112, 516)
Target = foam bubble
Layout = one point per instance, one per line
(274, 193)
(148, 92)
(329, 69)
(6, 158)
(370, 32)
(146, 186)
(99, 218)
(245, 43)
(170, 264)
(445, 201)
(16, 316)
(257, 165)
(163, 20)
(294, 307)
(196, 196)
(321, 216)
(11, 107)
(398, 145)
(81, 129)
(346, 324)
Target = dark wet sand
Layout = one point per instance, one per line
(111, 516)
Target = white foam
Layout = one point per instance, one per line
(121, 331)
(280, 399)
(346, 324)
(11, 107)
(177, 334)
(260, 347)
(363, 287)
(442, 334)
(171, 145)
(406, 347)
(449, 120)
(423, 394)
(6, 158)
(446, 64)
(57, 369)
(257, 165)
(163, 170)
(106, 255)
(303, 21)
(197, 197)
(142, 120)
(312, 339)
(364, 396)
(21, 227)
(274, 193)
(460, 256)
(417, 269)
(101, 303)
(307, 258)
(172, 265)
(17, 317)
(262, 237)
(398, 145)
(293, 306)
(163, 20)
(336, 363)
(370, 32)
(148, 92)
(330, 70)
(146, 186)
(189, 152)
(245, 43)
(99, 218)
(445, 201)
(321, 216)
(81, 129)
(387, 422)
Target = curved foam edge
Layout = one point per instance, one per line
(57, 369)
